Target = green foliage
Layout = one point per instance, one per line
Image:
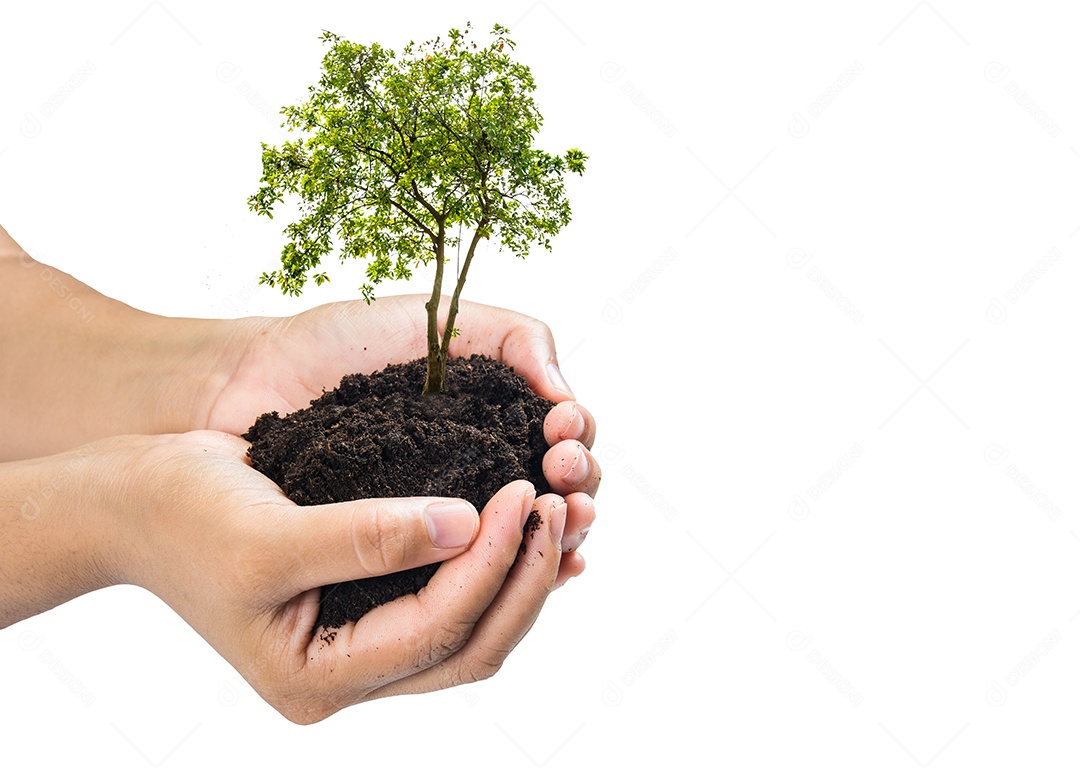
(397, 150)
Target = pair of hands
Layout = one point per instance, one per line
(260, 612)
(191, 521)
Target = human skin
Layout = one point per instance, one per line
(122, 465)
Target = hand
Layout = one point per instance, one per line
(283, 363)
(218, 542)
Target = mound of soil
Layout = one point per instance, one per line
(377, 436)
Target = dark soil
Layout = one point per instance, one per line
(377, 436)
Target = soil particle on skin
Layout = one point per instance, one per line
(376, 436)
(532, 525)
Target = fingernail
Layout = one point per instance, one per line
(558, 524)
(527, 507)
(556, 378)
(575, 427)
(451, 523)
(578, 540)
(579, 468)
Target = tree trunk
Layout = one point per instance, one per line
(435, 383)
(451, 316)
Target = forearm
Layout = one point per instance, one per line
(56, 543)
(76, 365)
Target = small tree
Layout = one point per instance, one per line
(401, 151)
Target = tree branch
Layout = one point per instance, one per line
(451, 318)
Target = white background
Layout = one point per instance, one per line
(820, 292)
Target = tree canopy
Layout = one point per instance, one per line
(399, 151)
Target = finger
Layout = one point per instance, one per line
(580, 515)
(570, 468)
(569, 421)
(416, 632)
(331, 543)
(572, 565)
(510, 616)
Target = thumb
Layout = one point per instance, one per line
(330, 543)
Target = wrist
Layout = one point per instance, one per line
(76, 366)
(57, 538)
(176, 369)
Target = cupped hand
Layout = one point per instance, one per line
(282, 363)
(243, 565)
